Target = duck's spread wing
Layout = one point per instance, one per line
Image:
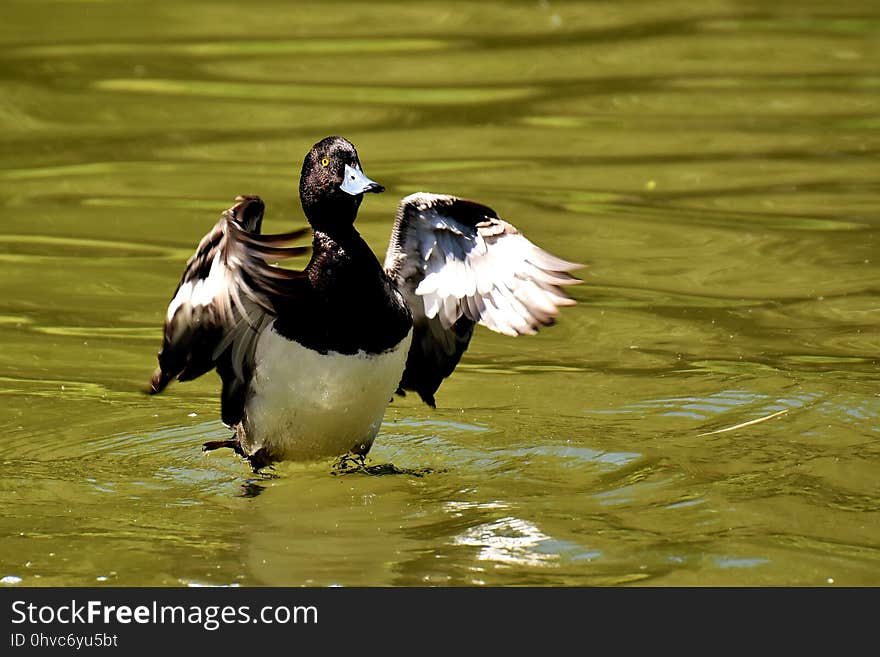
(227, 294)
(458, 264)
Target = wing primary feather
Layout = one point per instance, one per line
(226, 297)
(458, 263)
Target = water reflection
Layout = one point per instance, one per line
(711, 164)
(517, 542)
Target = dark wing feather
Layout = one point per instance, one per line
(226, 296)
(458, 263)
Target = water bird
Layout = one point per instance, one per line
(310, 359)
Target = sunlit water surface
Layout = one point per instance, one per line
(715, 165)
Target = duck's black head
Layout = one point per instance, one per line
(333, 184)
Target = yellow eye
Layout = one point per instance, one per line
(325, 162)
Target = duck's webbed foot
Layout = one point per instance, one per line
(259, 459)
(231, 443)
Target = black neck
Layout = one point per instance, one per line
(351, 304)
(328, 237)
(332, 214)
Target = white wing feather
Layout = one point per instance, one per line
(457, 263)
(488, 272)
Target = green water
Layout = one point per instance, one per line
(715, 164)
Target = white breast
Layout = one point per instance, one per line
(306, 405)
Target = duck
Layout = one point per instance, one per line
(309, 359)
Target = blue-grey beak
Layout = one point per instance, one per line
(356, 182)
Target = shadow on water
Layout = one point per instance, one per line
(254, 487)
(347, 465)
(354, 464)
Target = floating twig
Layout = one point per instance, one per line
(746, 424)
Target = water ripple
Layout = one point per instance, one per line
(231, 48)
(318, 93)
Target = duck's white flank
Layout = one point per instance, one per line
(306, 405)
